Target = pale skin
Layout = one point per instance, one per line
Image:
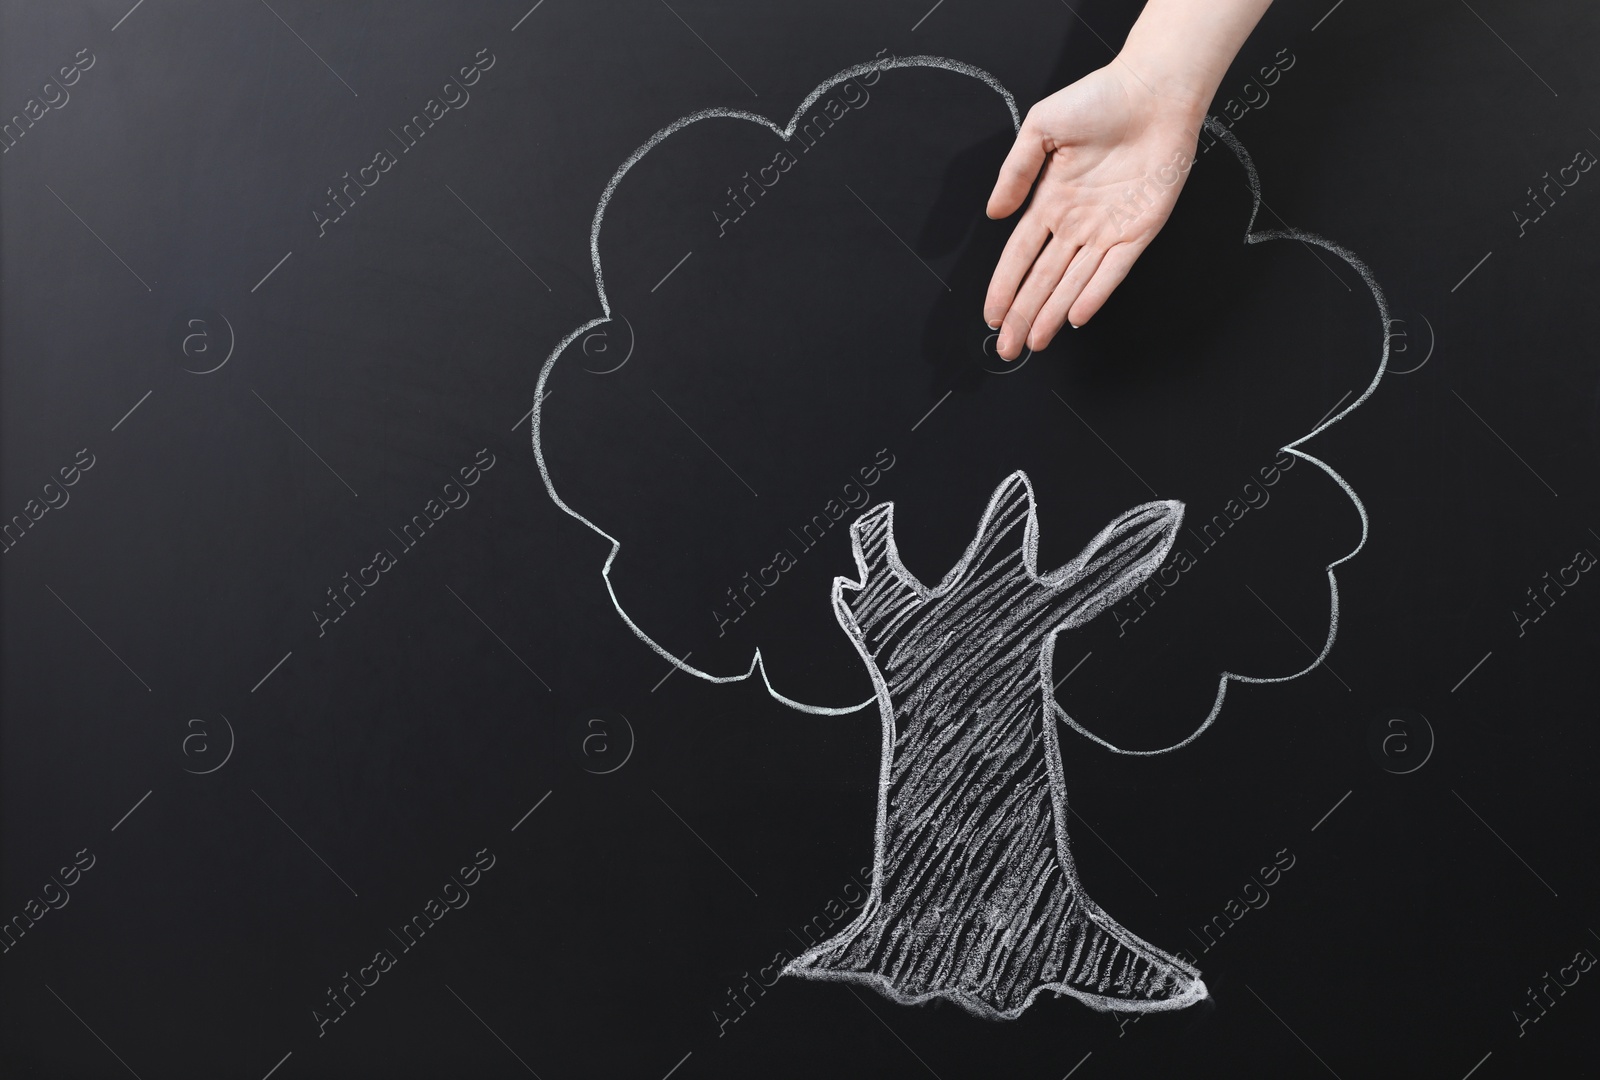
(1105, 159)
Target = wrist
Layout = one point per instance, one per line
(1180, 49)
(1184, 90)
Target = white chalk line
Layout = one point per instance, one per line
(1251, 236)
(668, 675)
(785, 133)
(1075, 667)
(882, 517)
(1341, 401)
(1195, 990)
(1297, 637)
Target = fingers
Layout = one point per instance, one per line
(1017, 172)
(1036, 289)
(1055, 309)
(1107, 276)
(1020, 251)
(1088, 281)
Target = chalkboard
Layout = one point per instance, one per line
(600, 607)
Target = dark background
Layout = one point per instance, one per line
(1428, 892)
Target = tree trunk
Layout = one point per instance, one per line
(974, 893)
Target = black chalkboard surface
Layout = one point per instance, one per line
(519, 556)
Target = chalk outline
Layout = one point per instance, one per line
(632, 341)
(786, 133)
(1251, 236)
(881, 517)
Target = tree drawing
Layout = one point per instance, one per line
(975, 895)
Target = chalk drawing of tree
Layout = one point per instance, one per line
(975, 894)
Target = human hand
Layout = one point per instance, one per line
(1109, 156)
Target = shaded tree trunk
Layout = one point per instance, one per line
(974, 895)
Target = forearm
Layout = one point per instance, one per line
(1180, 49)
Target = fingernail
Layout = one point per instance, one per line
(993, 325)
(1073, 325)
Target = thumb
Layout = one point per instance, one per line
(1017, 173)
